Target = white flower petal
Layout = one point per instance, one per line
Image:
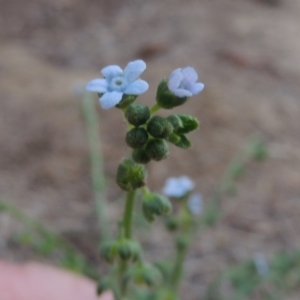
(175, 80)
(137, 87)
(189, 74)
(112, 71)
(182, 93)
(196, 88)
(134, 69)
(98, 85)
(110, 99)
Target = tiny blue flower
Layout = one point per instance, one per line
(178, 187)
(117, 82)
(183, 82)
(195, 204)
(261, 263)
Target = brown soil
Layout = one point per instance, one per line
(247, 53)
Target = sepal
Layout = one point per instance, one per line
(140, 156)
(155, 205)
(157, 149)
(137, 114)
(130, 175)
(160, 127)
(165, 98)
(136, 138)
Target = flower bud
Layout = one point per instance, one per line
(136, 138)
(157, 149)
(159, 127)
(155, 205)
(130, 175)
(109, 251)
(181, 243)
(183, 143)
(129, 250)
(171, 223)
(137, 114)
(175, 121)
(174, 138)
(165, 98)
(189, 124)
(140, 156)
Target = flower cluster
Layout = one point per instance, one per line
(148, 137)
(117, 83)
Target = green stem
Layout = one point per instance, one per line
(127, 224)
(98, 180)
(155, 108)
(128, 214)
(178, 268)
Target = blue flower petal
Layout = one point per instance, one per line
(195, 204)
(112, 71)
(98, 85)
(137, 87)
(110, 99)
(134, 69)
(182, 93)
(196, 88)
(186, 182)
(189, 74)
(175, 80)
(178, 186)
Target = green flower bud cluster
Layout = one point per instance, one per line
(150, 136)
(147, 138)
(130, 175)
(124, 249)
(155, 205)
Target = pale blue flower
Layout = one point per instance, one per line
(261, 263)
(178, 187)
(183, 82)
(195, 204)
(117, 82)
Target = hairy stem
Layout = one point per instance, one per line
(128, 214)
(178, 268)
(127, 224)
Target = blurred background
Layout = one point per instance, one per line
(247, 53)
